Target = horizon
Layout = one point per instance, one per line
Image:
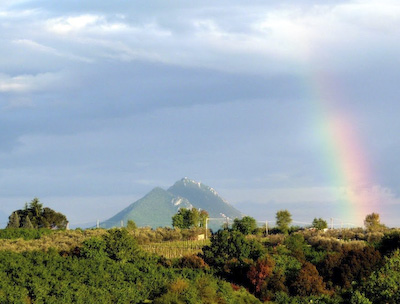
(269, 216)
(275, 105)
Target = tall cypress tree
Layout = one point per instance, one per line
(13, 220)
(27, 223)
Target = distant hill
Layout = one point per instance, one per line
(157, 207)
(205, 198)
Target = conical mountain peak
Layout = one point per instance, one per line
(157, 207)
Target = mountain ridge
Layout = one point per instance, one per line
(157, 207)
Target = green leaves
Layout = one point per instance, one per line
(35, 216)
(246, 225)
(188, 218)
(120, 245)
(283, 220)
(383, 285)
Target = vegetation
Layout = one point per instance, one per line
(164, 265)
(189, 218)
(35, 216)
(246, 225)
(319, 223)
(372, 222)
(283, 220)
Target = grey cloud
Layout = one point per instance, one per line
(137, 90)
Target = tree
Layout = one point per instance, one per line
(309, 282)
(349, 265)
(283, 220)
(27, 223)
(383, 284)
(131, 225)
(194, 218)
(52, 219)
(39, 217)
(372, 222)
(390, 242)
(188, 218)
(203, 218)
(259, 273)
(319, 224)
(93, 248)
(297, 246)
(13, 220)
(120, 245)
(229, 246)
(246, 225)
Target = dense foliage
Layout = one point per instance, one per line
(189, 218)
(343, 266)
(110, 269)
(283, 220)
(245, 225)
(23, 233)
(35, 216)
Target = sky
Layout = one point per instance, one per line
(275, 104)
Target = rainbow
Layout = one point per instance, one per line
(344, 155)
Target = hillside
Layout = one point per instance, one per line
(153, 210)
(204, 197)
(157, 207)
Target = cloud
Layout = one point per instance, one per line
(108, 97)
(27, 83)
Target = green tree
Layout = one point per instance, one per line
(38, 216)
(27, 223)
(13, 220)
(297, 246)
(246, 225)
(359, 298)
(372, 222)
(93, 248)
(131, 225)
(229, 246)
(383, 285)
(203, 218)
(52, 219)
(188, 218)
(319, 224)
(283, 220)
(194, 218)
(120, 245)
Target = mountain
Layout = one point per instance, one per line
(154, 210)
(158, 206)
(205, 198)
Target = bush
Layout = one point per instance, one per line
(93, 248)
(390, 242)
(23, 233)
(120, 245)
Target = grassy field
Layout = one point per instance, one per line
(59, 240)
(68, 240)
(175, 249)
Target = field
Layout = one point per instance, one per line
(175, 249)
